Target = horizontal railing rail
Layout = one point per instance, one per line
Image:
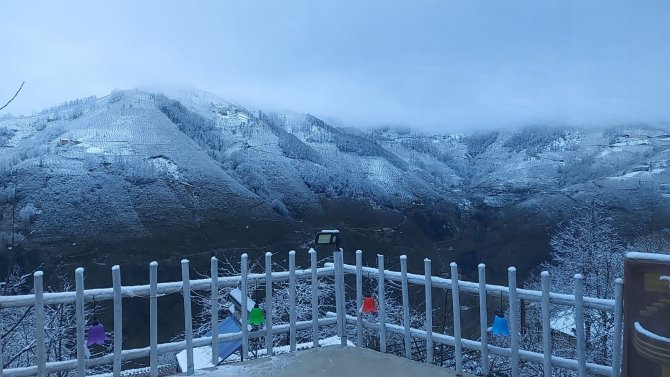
(163, 348)
(471, 287)
(105, 294)
(559, 362)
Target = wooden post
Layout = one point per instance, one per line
(79, 308)
(359, 298)
(40, 336)
(405, 306)
(244, 320)
(546, 324)
(579, 324)
(382, 304)
(427, 269)
(214, 314)
(188, 320)
(291, 300)
(483, 319)
(118, 319)
(456, 302)
(153, 319)
(268, 304)
(513, 321)
(315, 298)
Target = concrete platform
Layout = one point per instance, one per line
(328, 362)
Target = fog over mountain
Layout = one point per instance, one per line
(141, 175)
(440, 66)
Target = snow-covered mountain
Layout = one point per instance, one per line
(136, 165)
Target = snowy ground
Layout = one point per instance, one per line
(330, 361)
(202, 356)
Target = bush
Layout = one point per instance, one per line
(5, 135)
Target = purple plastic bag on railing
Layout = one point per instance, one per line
(96, 335)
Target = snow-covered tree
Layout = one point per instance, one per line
(588, 244)
(655, 242)
(17, 327)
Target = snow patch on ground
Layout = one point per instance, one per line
(166, 166)
(202, 356)
(639, 174)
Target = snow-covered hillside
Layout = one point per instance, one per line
(135, 164)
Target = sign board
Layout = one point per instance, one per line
(328, 237)
(646, 315)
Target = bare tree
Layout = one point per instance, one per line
(12, 99)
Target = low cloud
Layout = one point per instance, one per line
(435, 65)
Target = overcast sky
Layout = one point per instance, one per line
(438, 65)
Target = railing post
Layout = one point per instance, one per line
(338, 258)
(483, 319)
(336, 281)
(315, 298)
(214, 314)
(291, 299)
(79, 314)
(38, 277)
(359, 298)
(118, 319)
(546, 324)
(618, 314)
(514, 324)
(244, 320)
(268, 303)
(428, 280)
(188, 320)
(456, 303)
(405, 306)
(382, 304)
(579, 324)
(153, 319)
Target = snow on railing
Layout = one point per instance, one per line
(544, 297)
(339, 317)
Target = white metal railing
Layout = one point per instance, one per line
(339, 317)
(544, 297)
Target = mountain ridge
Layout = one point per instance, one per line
(183, 170)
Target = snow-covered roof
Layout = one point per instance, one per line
(649, 257)
(236, 295)
(563, 322)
